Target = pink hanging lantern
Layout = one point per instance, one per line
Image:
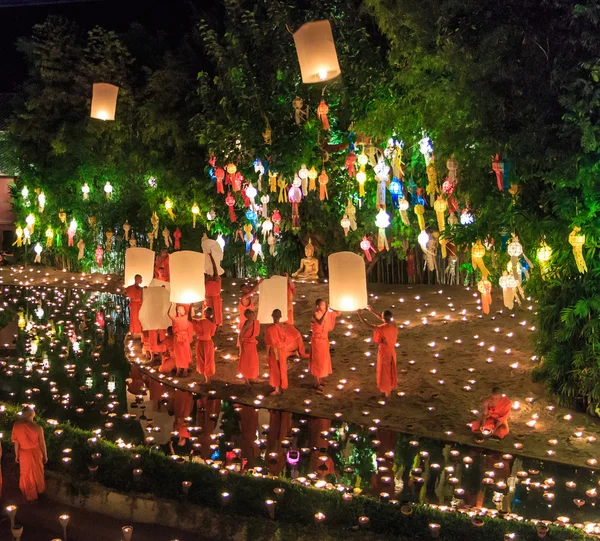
(230, 202)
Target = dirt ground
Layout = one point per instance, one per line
(449, 357)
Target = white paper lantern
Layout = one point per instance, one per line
(272, 296)
(187, 276)
(104, 101)
(316, 52)
(210, 246)
(155, 282)
(139, 261)
(347, 282)
(155, 308)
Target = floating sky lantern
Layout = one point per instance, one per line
(316, 52)
(347, 282)
(187, 276)
(104, 101)
(273, 296)
(139, 261)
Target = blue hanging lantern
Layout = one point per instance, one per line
(252, 217)
(411, 186)
(396, 191)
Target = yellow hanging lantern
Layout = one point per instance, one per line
(21, 322)
(361, 178)
(19, 234)
(544, 254)
(419, 211)
(316, 52)
(62, 216)
(195, 212)
(104, 101)
(432, 181)
(440, 207)
(49, 237)
(363, 159)
(577, 241)
(169, 207)
(272, 182)
(477, 255)
(312, 177)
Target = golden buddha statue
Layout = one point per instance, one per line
(309, 266)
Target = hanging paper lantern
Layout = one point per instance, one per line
(19, 235)
(25, 192)
(498, 168)
(276, 219)
(71, 231)
(85, 190)
(251, 194)
(403, 207)
(349, 165)
(267, 227)
(195, 212)
(139, 261)
(361, 178)
(230, 202)
(177, 236)
(345, 223)
(322, 111)
(272, 181)
(273, 296)
(81, 246)
(187, 276)
(109, 241)
(30, 221)
(323, 181)
(452, 165)
(257, 250)
(426, 149)
(485, 288)
(508, 284)
(577, 240)
(260, 169)
(264, 211)
(395, 191)
(351, 213)
(62, 216)
(382, 177)
(108, 189)
(211, 215)
(126, 229)
(283, 195)
(231, 171)
(515, 251)
(423, 239)
(312, 176)
(221, 242)
(152, 182)
(544, 254)
(295, 196)
(347, 282)
(367, 248)
(477, 255)
(169, 207)
(420, 211)
(316, 52)
(466, 218)
(440, 207)
(38, 253)
(41, 201)
(382, 221)
(104, 101)
(220, 175)
(49, 237)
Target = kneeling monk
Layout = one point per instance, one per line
(495, 414)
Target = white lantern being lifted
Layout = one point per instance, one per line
(347, 282)
(316, 52)
(187, 276)
(210, 246)
(272, 296)
(104, 101)
(139, 261)
(155, 307)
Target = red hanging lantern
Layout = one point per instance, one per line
(230, 201)
(350, 164)
(276, 219)
(220, 175)
(322, 111)
(177, 237)
(238, 179)
(231, 170)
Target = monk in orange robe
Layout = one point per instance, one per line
(167, 364)
(291, 291)
(161, 266)
(182, 337)
(134, 294)
(294, 342)
(385, 335)
(212, 285)
(248, 363)
(275, 340)
(495, 414)
(30, 454)
(322, 322)
(205, 328)
(246, 303)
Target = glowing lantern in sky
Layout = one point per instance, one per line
(139, 261)
(104, 101)
(347, 282)
(273, 296)
(187, 276)
(316, 52)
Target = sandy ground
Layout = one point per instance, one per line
(449, 356)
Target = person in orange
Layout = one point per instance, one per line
(167, 364)
(162, 260)
(294, 341)
(30, 454)
(248, 363)
(291, 291)
(246, 303)
(205, 329)
(385, 335)
(322, 322)
(134, 294)
(182, 337)
(275, 340)
(212, 285)
(495, 414)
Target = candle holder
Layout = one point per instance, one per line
(270, 505)
(279, 492)
(127, 532)
(542, 530)
(17, 531)
(185, 486)
(363, 521)
(11, 511)
(64, 522)
(319, 518)
(434, 530)
(224, 498)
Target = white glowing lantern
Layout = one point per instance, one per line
(466, 218)
(347, 282)
(251, 192)
(221, 241)
(42, 201)
(272, 296)
(187, 276)
(38, 253)
(155, 308)
(213, 247)
(104, 101)
(108, 189)
(210, 215)
(423, 238)
(316, 52)
(382, 220)
(73, 226)
(139, 261)
(85, 190)
(25, 192)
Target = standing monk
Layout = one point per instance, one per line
(323, 321)
(30, 454)
(275, 340)
(385, 335)
(495, 414)
(246, 303)
(134, 294)
(182, 337)
(248, 363)
(162, 260)
(291, 291)
(205, 329)
(212, 284)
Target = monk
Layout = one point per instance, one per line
(294, 342)
(212, 285)
(291, 291)
(495, 414)
(385, 335)
(134, 294)
(248, 363)
(275, 340)
(182, 336)
(322, 322)
(246, 303)
(205, 328)
(167, 364)
(30, 454)
(162, 260)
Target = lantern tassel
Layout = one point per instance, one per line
(419, 211)
(577, 241)
(485, 288)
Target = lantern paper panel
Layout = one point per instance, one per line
(104, 101)
(139, 261)
(210, 246)
(316, 52)
(272, 296)
(155, 308)
(347, 282)
(187, 276)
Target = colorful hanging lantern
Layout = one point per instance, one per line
(152, 182)
(452, 165)
(283, 195)
(316, 52)
(276, 219)
(577, 241)
(19, 235)
(49, 237)
(323, 181)
(41, 201)
(515, 251)
(195, 212)
(230, 202)
(257, 251)
(351, 213)
(420, 211)
(426, 149)
(30, 221)
(498, 169)
(431, 181)
(238, 179)
(508, 284)
(177, 237)
(382, 221)
(361, 178)
(85, 190)
(477, 255)
(466, 218)
(221, 241)
(303, 174)
(169, 208)
(25, 192)
(247, 236)
(126, 229)
(38, 252)
(544, 254)
(345, 223)
(403, 207)
(272, 182)
(260, 169)
(295, 196)
(312, 177)
(108, 189)
(350, 164)
(109, 241)
(322, 111)
(440, 207)
(26, 236)
(267, 227)
(485, 288)
(395, 191)
(367, 248)
(423, 239)
(104, 101)
(264, 211)
(220, 175)
(62, 216)
(167, 237)
(382, 176)
(231, 169)
(251, 194)
(71, 231)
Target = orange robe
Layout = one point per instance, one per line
(205, 347)
(291, 291)
(275, 340)
(164, 263)
(496, 414)
(387, 375)
(134, 293)
(320, 357)
(213, 298)
(293, 341)
(242, 317)
(248, 363)
(137, 385)
(168, 358)
(31, 463)
(182, 339)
